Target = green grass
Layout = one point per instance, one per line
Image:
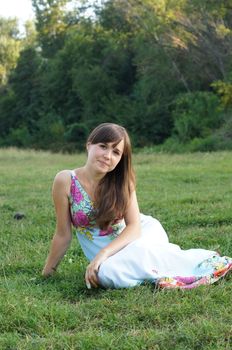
(190, 195)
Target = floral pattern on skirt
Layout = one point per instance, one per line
(217, 267)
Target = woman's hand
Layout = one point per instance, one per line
(91, 278)
(131, 232)
(48, 272)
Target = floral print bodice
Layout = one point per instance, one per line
(82, 214)
(81, 206)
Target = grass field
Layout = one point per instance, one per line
(190, 195)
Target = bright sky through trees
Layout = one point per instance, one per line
(15, 8)
(22, 9)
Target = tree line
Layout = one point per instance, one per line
(161, 68)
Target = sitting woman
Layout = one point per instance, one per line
(125, 248)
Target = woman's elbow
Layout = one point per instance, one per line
(136, 229)
(64, 236)
(139, 231)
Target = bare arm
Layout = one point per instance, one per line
(131, 232)
(63, 234)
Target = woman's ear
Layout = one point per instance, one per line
(87, 146)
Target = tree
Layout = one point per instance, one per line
(50, 24)
(10, 46)
(30, 38)
(25, 83)
(196, 115)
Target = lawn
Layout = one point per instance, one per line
(190, 194)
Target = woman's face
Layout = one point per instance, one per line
(104, 157)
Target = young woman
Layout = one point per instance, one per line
(124, 247)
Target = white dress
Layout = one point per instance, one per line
(150, 258)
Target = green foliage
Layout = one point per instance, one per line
(9, 48)
(50, 24)
(220, 139)
(117, 15)
(224, 90)
(30, 38)
(76, 135)
(196, 115)
(19, 137)
(148, 65)
(8, 102)
(100, 73)
(48, 132)
(25, 82)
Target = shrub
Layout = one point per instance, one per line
(76, 135)
(220, 139)
(196, 115)
(19, 137)
(48, 132)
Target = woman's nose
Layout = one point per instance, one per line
(107, 154)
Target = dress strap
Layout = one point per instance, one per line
(79, 185)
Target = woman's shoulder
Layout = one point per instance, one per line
(63, 175)
(62, 179)
(61, 184)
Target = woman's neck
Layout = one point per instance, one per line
(90, 177)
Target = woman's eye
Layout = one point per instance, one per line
(117, 153)
(103, 146)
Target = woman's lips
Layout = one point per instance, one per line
(103, 163)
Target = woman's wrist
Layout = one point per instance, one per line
(104, 252)
(48, 271)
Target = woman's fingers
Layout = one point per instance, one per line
(91, 278)
(91, 274)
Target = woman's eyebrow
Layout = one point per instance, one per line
(117, 149)
(113, 145)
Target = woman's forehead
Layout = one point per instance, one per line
(116, 144)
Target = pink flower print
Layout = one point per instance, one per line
(186, 280)
(106, 232)
(77, 195)
(81, 219)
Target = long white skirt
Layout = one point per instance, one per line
(152, 258)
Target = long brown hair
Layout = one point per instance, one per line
(113, 191)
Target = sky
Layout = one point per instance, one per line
(16, 8)
(22, 9)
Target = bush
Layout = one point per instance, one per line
(19, 137)
(220, 139)
(48, 133)
(76, 135)
(196, 115)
